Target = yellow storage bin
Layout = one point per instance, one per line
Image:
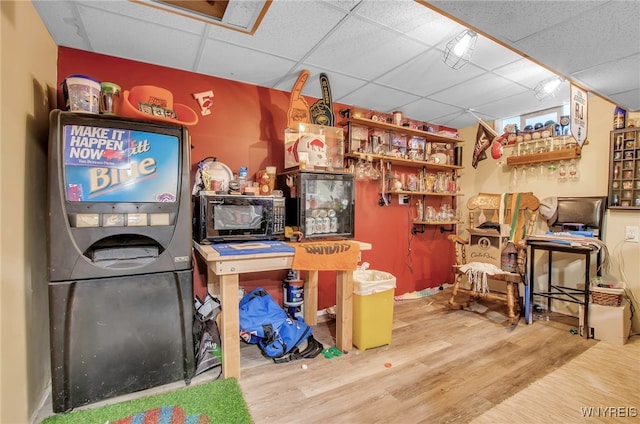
(372, 308)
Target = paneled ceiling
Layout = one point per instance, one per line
(384, 55)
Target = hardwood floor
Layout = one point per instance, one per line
(449, 366)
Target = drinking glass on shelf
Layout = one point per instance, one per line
(573, 170)
(513, 179)
(522, 179)
(374, 174)
(562, 171)
(361, 171)
(536, 147)
(551, 170)
(542, 169)
(430, 213)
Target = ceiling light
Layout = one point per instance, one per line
(548, 88)
(459, 50)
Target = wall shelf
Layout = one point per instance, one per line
(398, 129)
(437, 222)
(555, 155)
(405, 147)
(423, 193)
(402, 162)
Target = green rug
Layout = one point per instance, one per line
(220, 401)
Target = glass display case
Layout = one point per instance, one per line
(320, 204)
(313, 146)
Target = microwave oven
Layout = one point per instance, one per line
(222, 218)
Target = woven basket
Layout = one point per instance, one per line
(606, 296)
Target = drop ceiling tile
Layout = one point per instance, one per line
(519, 104)
(64, 23)
(340, 84)
(478, 91)
(491, 55)
(125, 37)
(344, 5)
(305, 24)
(360, 48)
(427, 73)
(428, 110)
(220, 59)
(143, 10)
(524, 72)
(623, 76)
(629, 98)
(377, 97)
(403, 16)
(458, 120)
(511, 20)
(436, 31)
(607, 45)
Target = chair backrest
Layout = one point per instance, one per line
(485, 207)
(588, 211)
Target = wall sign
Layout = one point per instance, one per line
(578, 114)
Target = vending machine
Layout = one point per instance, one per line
(119, 257)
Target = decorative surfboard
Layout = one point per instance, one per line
(298, 107)
(322, 110)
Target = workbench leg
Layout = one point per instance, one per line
(213, 283)
(311, 298)
(344, 310)
(230, 326)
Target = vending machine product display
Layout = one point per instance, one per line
(321, 204)
(119, 257)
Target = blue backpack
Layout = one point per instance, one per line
(279, 336)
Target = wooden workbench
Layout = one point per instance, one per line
(223, 276)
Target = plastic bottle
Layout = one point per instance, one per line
(265, 185)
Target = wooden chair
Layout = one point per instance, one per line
(487, 207)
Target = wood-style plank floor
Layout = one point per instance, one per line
(451, 367)
(447, 366)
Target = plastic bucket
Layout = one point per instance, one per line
(81, 94)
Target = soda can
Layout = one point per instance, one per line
(326, 224)
(309, 226)
(318, 227)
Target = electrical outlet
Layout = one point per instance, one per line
(631, 233)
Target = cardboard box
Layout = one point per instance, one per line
(608, 323)
(486, 246)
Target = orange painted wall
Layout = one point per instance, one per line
(246, 128)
